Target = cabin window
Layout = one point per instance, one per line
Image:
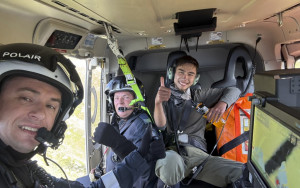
(71, 154)
(282, 65)
(297, 63)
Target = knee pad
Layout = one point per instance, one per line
(171, 168)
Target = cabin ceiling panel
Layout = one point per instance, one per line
(156, 17)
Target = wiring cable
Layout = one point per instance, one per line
(199, 168)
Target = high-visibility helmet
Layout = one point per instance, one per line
(44, 64)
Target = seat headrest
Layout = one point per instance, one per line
(172, 57)
(236, 54)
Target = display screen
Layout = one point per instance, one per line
(275, 151)
(63, 40)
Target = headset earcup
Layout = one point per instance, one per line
(170, 73)
(196, 79)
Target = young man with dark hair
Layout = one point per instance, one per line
(184, 154)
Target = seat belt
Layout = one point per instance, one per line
(185, 115)
(183, 120)
(234, 143)
(130, 79)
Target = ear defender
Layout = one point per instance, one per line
(170, 73)
(196, 79)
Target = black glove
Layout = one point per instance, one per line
(157, 149)
(153, 146)
(107, 135)
(145, 145)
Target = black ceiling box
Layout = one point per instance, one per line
(193, 23)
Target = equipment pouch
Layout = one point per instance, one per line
(183, 138)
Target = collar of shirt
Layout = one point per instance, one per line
(179, 96)
(187, 95)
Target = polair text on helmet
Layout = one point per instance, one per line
(20, 55)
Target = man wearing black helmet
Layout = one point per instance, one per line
(131, 122)
(36, 97)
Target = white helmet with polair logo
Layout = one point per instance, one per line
(47, 65)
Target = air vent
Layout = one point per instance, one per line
(82, 14)
(60, 3)
(70, 9)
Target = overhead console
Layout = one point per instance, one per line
(69, 39)
(63, 40)
(193, 23)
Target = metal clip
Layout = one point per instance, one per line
(194, 169)
(182, 137)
